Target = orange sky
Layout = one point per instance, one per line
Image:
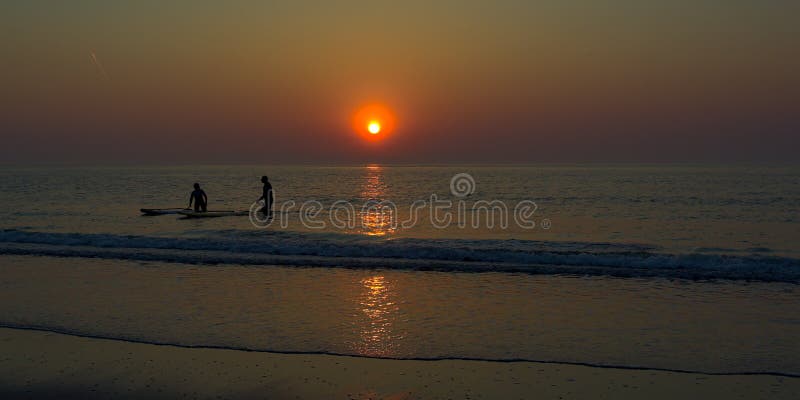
(248, 82)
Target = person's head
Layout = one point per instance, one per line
(264, 179)
(197, 186)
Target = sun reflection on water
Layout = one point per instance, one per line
(378, 310)
(376, 222)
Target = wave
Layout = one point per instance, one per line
(355, 251)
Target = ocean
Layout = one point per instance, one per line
(676, 267)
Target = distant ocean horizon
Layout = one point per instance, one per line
(666, 210)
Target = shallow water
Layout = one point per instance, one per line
(657, 323)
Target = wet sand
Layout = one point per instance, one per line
(37, 364)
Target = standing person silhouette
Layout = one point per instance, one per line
(200, 199)
(267, 197)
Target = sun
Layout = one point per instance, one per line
(374, 122)
(374, 127)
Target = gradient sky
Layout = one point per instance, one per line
(508, 81)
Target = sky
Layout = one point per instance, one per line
(198, 82)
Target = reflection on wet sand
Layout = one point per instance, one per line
(376, 221)
(378, 312)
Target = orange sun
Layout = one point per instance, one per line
(374, 127)
(374, 122)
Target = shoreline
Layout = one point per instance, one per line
(390, 358)
(44, 364)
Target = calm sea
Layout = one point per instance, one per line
(676, 267)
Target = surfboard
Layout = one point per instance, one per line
(160, 211)
(211, 214)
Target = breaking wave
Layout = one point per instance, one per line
(355, 251)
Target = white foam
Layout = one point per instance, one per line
(291, 248)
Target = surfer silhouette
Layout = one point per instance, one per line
(266, 196)
(199, 198)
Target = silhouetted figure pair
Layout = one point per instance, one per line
(199, 198)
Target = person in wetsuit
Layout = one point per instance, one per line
(199, 198)
(266, 196)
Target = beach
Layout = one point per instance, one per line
(41, 364)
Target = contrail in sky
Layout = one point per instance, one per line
(99, 66)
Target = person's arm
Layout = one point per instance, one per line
(191, 198)
(205, 198)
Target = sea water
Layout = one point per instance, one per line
(674, 267)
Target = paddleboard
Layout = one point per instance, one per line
(161, 211)
(211, 214)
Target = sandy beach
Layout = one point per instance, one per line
(39, 364)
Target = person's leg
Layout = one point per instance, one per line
(267, 210)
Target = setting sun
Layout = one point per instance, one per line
(374, 122)
(374, 127)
